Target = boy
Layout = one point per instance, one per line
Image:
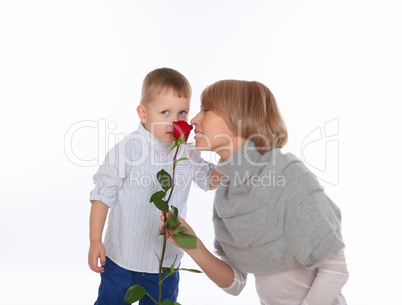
(125, 182)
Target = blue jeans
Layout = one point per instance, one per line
(115, 282)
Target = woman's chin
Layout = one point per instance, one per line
(201, 147)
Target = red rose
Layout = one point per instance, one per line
(180, 128)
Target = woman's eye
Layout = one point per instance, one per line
(205, 110)
(164, 112)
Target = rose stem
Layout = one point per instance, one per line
(165, 227)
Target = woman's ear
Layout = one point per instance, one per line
(142, 113)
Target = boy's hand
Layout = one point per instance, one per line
(97, 251)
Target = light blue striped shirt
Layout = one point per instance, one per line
(125, 182)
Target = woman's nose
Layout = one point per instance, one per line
(195, 120)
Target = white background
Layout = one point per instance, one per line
(65, 62)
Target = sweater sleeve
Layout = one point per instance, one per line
(331, 277)
(315, 229)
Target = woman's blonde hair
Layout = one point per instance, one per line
(161, 81)
(250, 110)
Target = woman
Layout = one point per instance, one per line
(271, 216)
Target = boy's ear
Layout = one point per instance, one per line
(142, 113)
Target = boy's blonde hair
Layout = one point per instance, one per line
(161, 81)
(250, 110)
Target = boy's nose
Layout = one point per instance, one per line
(173, 118)
(176, 118)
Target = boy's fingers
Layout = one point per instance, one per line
(98, 269)
(95, 263)
(103, 259)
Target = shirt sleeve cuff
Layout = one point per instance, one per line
(203, 175)
(108, 199)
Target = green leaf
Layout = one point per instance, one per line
(175, 211)
(157, 195)
(191, 270)
(186, 241)
(159, 260)
(161, 205)
(166, 302)
(134, 294)
(176, 143)
(181, 139)
(182, 159)
(164, 179)
(178, 230)
(171, 270)
(173, 221)
(156, 198)
(167, 271)
(175, 303)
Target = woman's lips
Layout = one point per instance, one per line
(197, 133)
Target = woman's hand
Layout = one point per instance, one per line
(183, 223)
(218, 271)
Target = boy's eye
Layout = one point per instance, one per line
(164, 112)
(182, 112)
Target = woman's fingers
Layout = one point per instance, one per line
(183, 223)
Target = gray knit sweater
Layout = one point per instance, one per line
(270, 213)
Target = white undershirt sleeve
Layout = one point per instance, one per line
(331, 277)
(239, 282)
